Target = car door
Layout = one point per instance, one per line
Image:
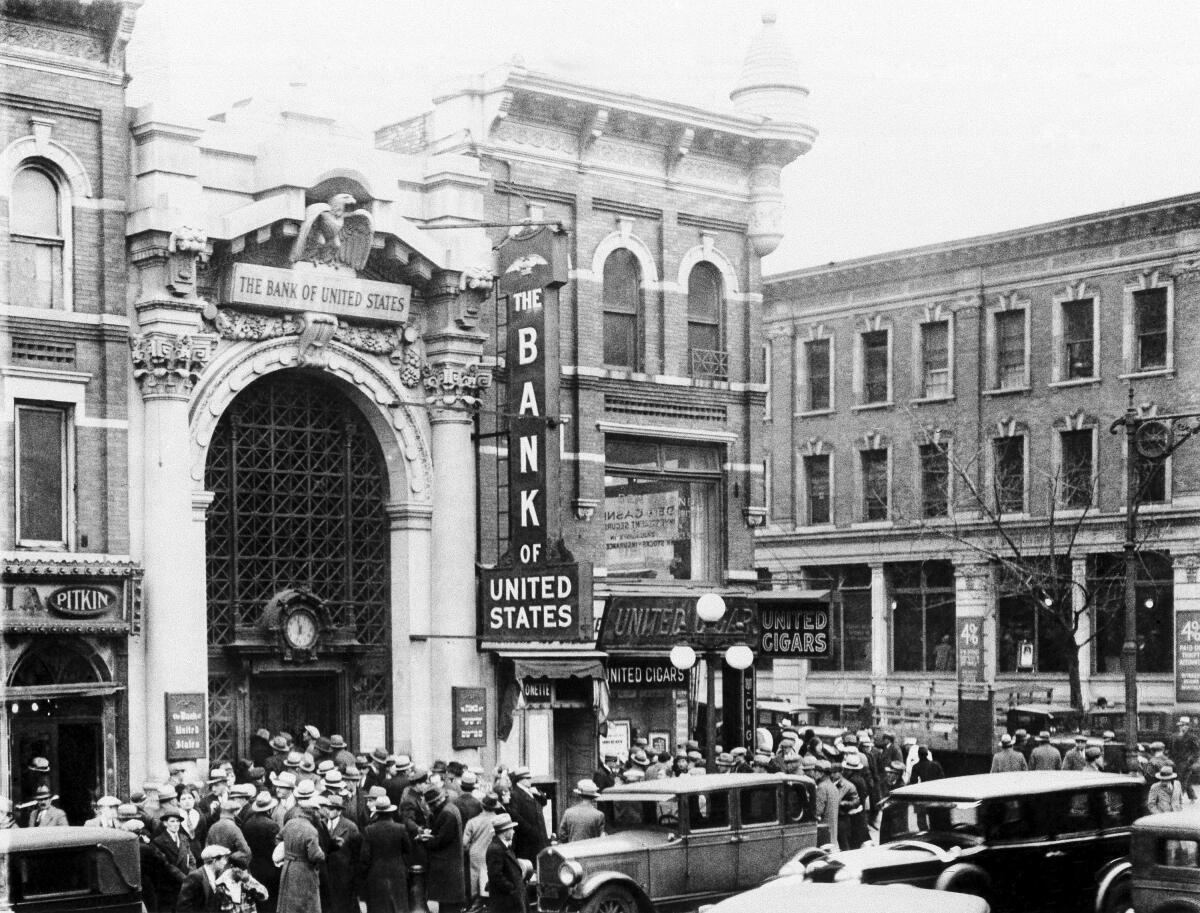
(712, 848)
(1067, 870)
(668, 860)
(759, 834)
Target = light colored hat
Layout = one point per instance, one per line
(352, 773)
(39, 766)
(217, 774)
(325, 766)
(286, 779)
(897, 766)
(404, 762)
(127, 811)
(1167, 773)
(334, 778)
(264, 802)
(279, 743)
(108, 802)
(852, 762)
(640, 758)
(521, 773)
(293, 759)
(1093, 753)
(305, 790)
(307, 764)
(312, 732)
(469, 778)
(1006, 739)
(337, 741)
(133, 825)
(587, 788)
(502, 823)
(214, 851)
(1043, 736)
(243, 791)
(383, 805)
(634, 774)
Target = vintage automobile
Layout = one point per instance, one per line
(70, 869)
(787, 895)
(680, 841)
(1161, 874)
(1024, 841)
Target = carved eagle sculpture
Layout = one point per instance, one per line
(331, 235)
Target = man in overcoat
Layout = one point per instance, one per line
(526, 809)
(299, 883)
(342, 860)
(506, 883)
(261, 831)
(582, 820)
(446, 882)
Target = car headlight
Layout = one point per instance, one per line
(846, 875)
(570, 873)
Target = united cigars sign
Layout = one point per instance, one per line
(539, 592)
(644, 672)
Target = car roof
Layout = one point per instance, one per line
(1184, 824)
(670, 786)
(1063, 709)
(38, 838)
(1017, 783)
(792, 892)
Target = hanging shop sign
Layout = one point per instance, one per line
(538, 690)
(325, 292)
(469, 717)
(1187, 655)
(539, 592)
(794, 628)
(187, 727)
(657, 623)
(644, 672)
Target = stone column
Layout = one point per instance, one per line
(1087, 652)
(410, 588)
(443, 648)
(975, 599)
(881, 617)
(168, 355)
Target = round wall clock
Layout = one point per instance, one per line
(300, 629)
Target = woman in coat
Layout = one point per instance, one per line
(299, 883)
(443, 846)
(383, 865)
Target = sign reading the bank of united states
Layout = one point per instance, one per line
(307, 288)
(187, 727)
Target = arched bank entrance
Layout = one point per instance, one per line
(297, 551)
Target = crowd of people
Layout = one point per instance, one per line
(317, 828)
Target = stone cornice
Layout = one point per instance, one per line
(1162, 217)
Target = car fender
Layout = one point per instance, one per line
(594, 883)
(960, 871)
(1108, 876)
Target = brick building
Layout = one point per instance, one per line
(927, 404)
(71, 594)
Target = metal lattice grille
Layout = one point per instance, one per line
(222, 714)
(298, 501)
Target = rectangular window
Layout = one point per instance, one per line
(1078, 339)
(1150, 328)
(850, 615)
(1008, 454)
(36, 275)
(759, 805)
(620, 339)
(1033, 616)
(875, 484)
(42, 469)
(935, 480)
(923, 617)
(816, 358)
(707, 811)
(1010, 349)
(1151, 480)
(935, 359)
(1076, 468)
(661, 506)
(875, 366)
(816, 488)
(1155, 610)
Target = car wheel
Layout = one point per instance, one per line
(1118, 898)
(962, 878)
(611, 899)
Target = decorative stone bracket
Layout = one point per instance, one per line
(165, 364)
(454, 386)
(185, 246)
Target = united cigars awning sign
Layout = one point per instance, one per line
(538, 592)
(785, 624)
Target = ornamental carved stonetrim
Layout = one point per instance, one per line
(455, 386)
(399, 344)
(169, 365)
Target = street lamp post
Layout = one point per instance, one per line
(1151, 438)
(710, 608)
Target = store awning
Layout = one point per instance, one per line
(772, 596)
(559, 667)
(74, 689)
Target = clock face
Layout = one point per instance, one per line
(1153, 440)
(300, 629)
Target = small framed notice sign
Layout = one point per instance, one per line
(187, 727)
(470, 717)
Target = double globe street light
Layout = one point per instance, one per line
(712, 644)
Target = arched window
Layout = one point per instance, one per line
(36, 217)
(622, 308)
(705, 355)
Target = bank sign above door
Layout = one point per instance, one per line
(325, 292)
(538, 592)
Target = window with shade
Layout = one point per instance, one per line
(1079, 352)
(817, 489)
(1150, 329)
(935, 359)
(38, 239)
(876, 373)
(622, 301)
(1010, 349)
(705, 355)
(875, 489)
(818, 368)
(42, 475)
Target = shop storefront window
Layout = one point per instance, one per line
(850, 612)
(922, 595)
(1155, 610)
(1032, 608)
(661, 514)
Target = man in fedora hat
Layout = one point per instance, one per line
(477, 837)
(225, 832)
(446, 878)
(1044, 755)
(376, 770)
(827, 798)
(343, 757)
(505, 879)
(1074, 759)
(1008, 759)
(342, 862)
(466, 800)
(582, 820)
(526, 809)
(606, 774)
(177, 854)
(260, 831)
(299, 879)
(399, 773)
(1165, 795)
(45, 813)
(285, 792)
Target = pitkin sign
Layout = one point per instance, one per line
(305, 288)
(539, 593)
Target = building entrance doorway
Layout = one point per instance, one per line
(574, 748)
(288, 702)
(69, 736)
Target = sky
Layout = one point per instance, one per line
(938, 120)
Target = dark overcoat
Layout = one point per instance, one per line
(530, 838)
(342, 863)
(506, 885)
(446, 882)
(261, 831)
(383, 866)
(299, 884)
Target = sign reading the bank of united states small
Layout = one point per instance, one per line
(187, 727)
(304, 288)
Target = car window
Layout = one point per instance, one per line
(1074, 813)
(639, 814)
(707, 811)
(1177, 853)
(1116, 809)
(759, 805)
(1008, 819)
(65, 873)
(798, 802)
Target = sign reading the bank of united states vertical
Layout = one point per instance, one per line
(538, 592)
